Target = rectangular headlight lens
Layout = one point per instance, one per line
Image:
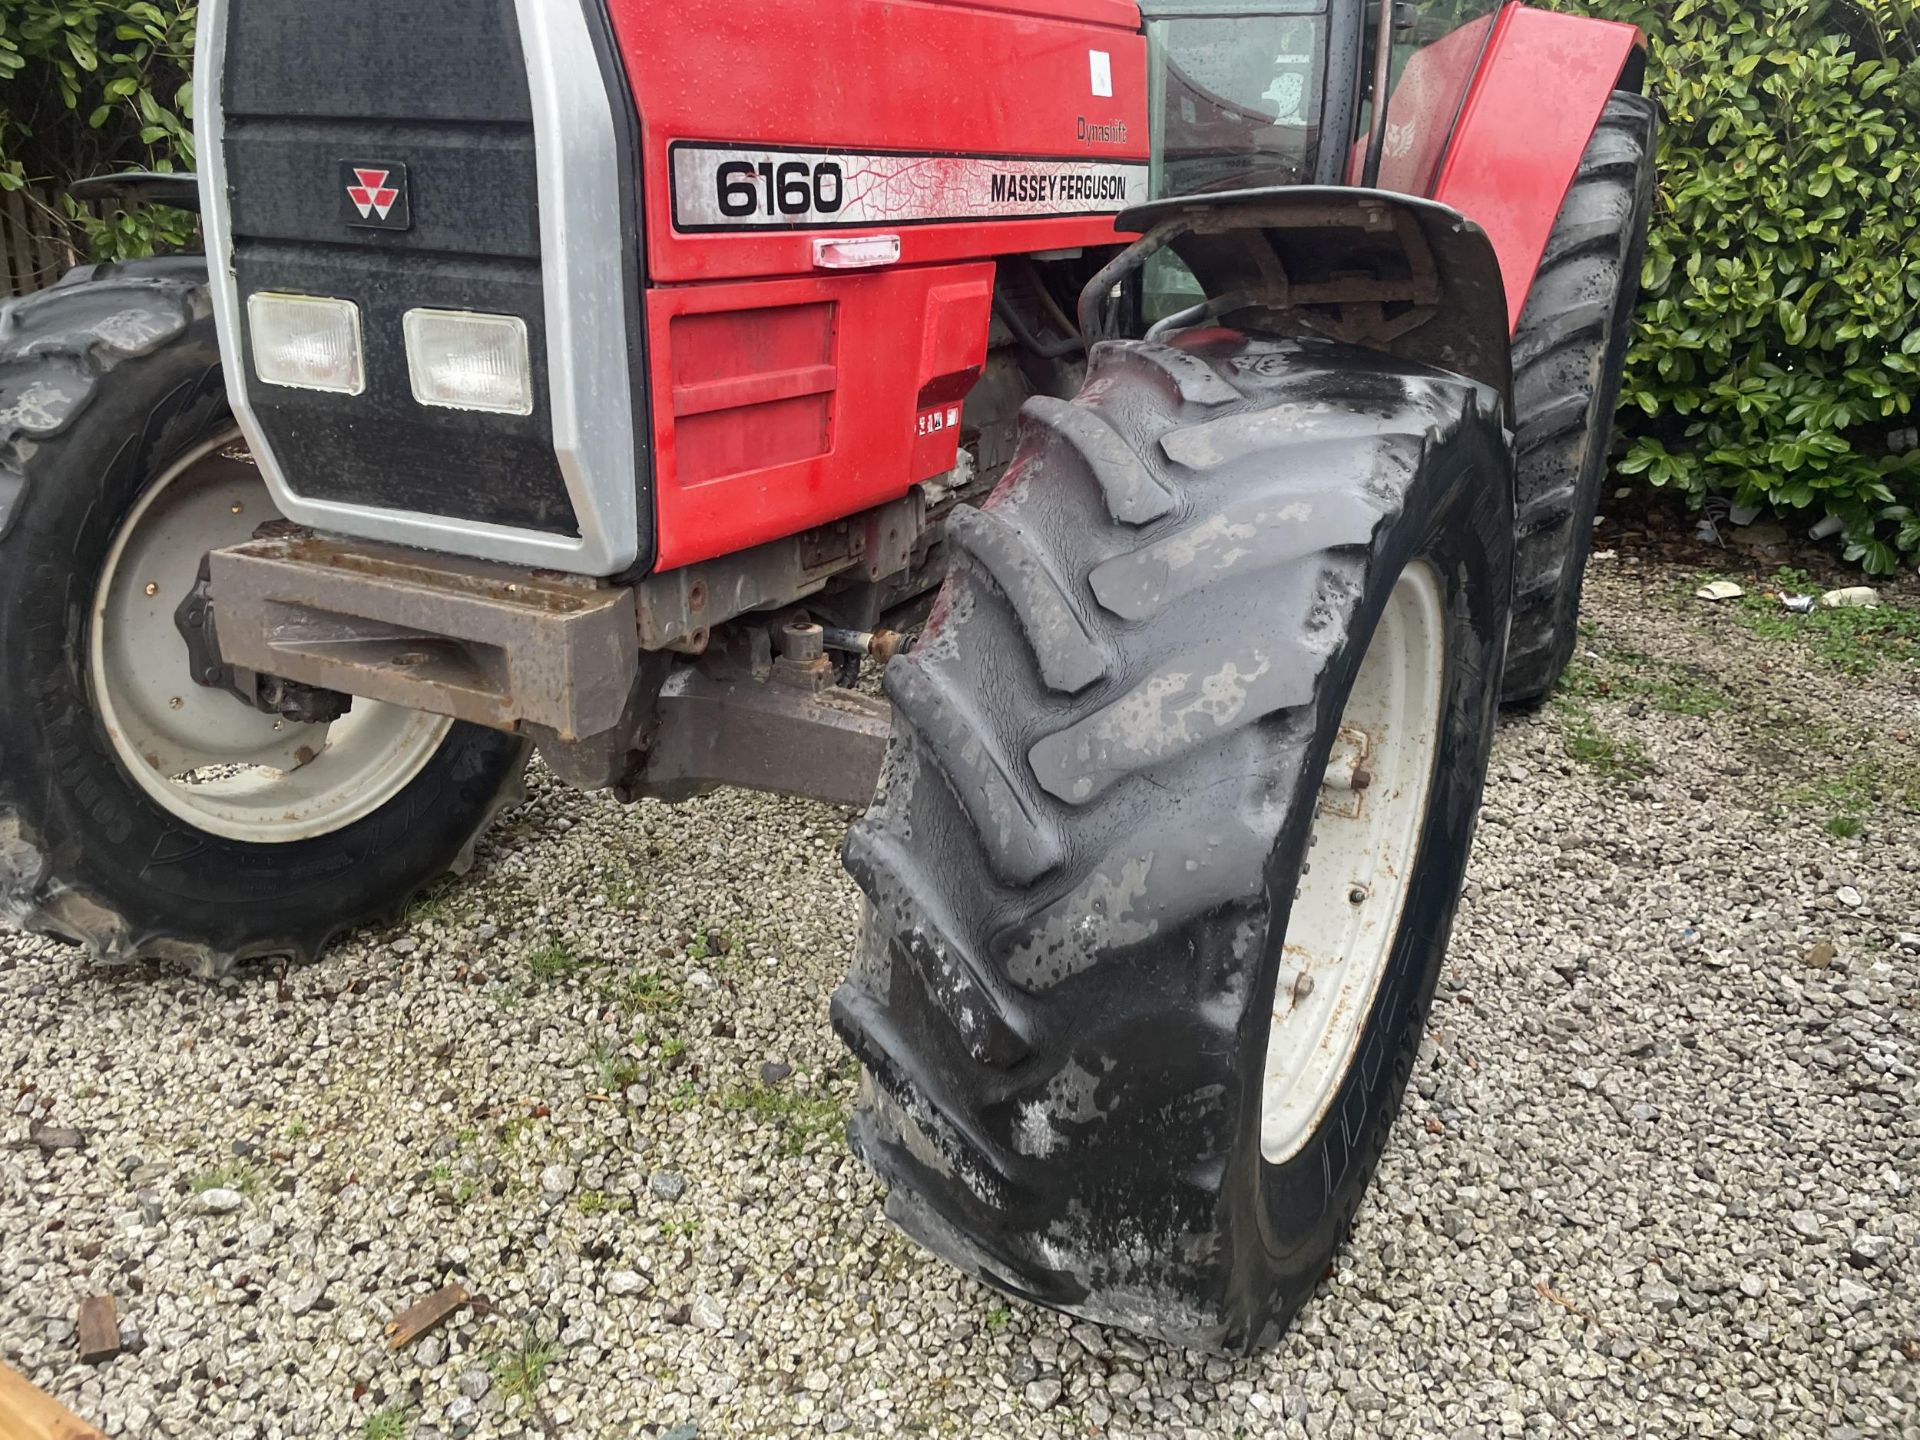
(307, 342)
(465, 361)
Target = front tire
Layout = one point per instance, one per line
(140, 814)
(1093, 864)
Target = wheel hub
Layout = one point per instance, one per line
(1346, 915)
(222, 765)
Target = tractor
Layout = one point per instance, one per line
(1191, 411)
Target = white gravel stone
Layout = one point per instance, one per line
(300, 1301)
(625, 1282)
(1043, 1394)
(221, 1201)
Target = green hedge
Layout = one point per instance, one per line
(1779, 333)
(89, 87)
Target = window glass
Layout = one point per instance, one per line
(1436, 47)
(1235, 99)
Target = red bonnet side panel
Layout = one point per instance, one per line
(788, 393)
(1527, 119)
(898, 96)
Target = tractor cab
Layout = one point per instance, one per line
(1258, 94)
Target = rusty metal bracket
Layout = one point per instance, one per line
(1390, 272)
(492, 644)
(789, 739)
(678, 608)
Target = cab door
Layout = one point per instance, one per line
(1433, 51)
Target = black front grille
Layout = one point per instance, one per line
(437, 86)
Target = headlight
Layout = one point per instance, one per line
(464, 361)
(307, 342)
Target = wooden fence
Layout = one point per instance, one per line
(36, 248)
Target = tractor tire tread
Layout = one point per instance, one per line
(60, 349)
(1001, 854)
(1568, 353)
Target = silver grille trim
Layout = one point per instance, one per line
(583, 234)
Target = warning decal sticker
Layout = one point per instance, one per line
(721, 187)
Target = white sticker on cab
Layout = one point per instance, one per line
(1100, 71)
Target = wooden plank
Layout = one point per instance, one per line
(56, 256)
(17, 247)
(29, 1413)
(98, 1328)
(417, 1319)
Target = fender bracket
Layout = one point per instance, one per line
(1389, 272)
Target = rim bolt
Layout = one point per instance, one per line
(1357, 895)
(152, 589)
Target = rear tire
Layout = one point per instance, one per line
(1100, 802)
(1569, 350)
(111, 394)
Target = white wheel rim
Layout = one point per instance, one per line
(220, 765)
(1372, 807)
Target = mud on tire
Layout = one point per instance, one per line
(106, 381)
(1568, 353)
(1100, 799)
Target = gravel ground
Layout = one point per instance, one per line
(1656, 1175)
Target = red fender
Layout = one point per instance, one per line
(1520, 135)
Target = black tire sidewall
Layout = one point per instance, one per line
(95, 830)
(1302, 1208)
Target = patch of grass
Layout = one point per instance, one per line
(388, 1424)
(521, 1371)
(465, 1190)
(297, 1130)
(648, 992)
(713, 947)
(684, 1097)
(613, 1067)
(618, 886)
(435, 902)
(231, 1175)
(555, 960)
(441, 1172)
(1587, 744)
(1853, 641)
(798, 1116)
(515, 1129)
(592, 1202)
(998, 1318)
(1851, 797)
(686, 1227)
(1670, 687)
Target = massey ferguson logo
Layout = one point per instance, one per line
(376, 195)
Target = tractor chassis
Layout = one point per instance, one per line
(719, 673)
(666, 687)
